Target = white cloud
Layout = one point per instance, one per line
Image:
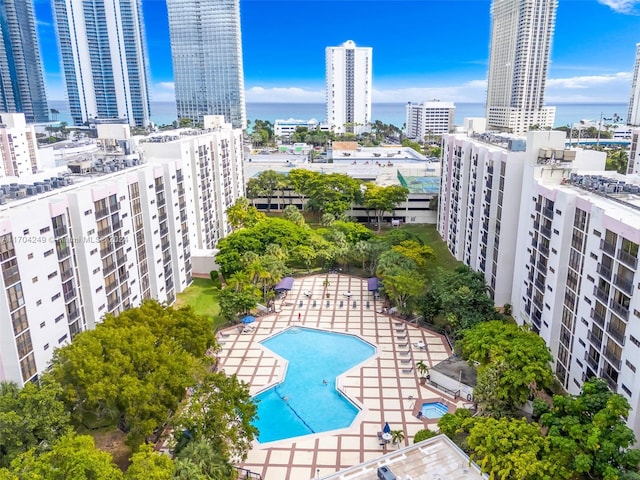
(622, 6)
(614, 87)
(163, 92)
(259, 94)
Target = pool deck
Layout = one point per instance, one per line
(387, 386)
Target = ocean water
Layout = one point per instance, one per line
(390, 113)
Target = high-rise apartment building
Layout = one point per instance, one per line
(206, 47)
(21, 78)
(521, 34)
(18, 146)
(633, 117)
(558, 242)
(349, 87)
(120, 228)
(104, 57)
(429, 118)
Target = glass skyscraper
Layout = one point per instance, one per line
(21, 78)
(104, 56)
(207, 59)
(521, 35)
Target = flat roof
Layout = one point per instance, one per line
(435, 458)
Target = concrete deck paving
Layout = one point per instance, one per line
(387, 386)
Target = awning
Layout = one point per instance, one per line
(285, 284)
(373, 284)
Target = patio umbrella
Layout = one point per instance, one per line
(387, 428)
(248, 319)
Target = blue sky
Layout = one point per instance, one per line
(422, 49)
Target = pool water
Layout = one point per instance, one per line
(434, 409)
(303, 404)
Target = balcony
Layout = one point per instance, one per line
(539, 285)
(63, 252)
(547, 212)
(613, 384)
(619, 309)
(591, 361)
(66, 274)
(544, 250)
(628, 259)
(605, 272)
(546, 231)
(601, 294)
(107, 269)
(607, 247)
(103, 212)
(106, 250)
(111, 306)
(69, 295)
(542, 267)
(623, 284)
(595, 341)
(11, 275)
(597, 317)
(117, 225)
(612, 357)
(60, 231)
(616, 334)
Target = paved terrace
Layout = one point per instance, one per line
(387, 386)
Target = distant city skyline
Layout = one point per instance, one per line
(422, 49)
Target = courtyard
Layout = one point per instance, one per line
(387, 387)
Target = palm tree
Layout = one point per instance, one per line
(397, 436)
(423, 368)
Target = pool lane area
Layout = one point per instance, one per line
(386, 387)
(307, 401)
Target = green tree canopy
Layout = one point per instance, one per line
(383, 199)
(332, 193)
(72, 456)
(220, 411)
(241, 214)
(146, 464)
(514, 362)
(132, 370)
(30, 417)
(589, 430)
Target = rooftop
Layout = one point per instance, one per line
(435, 458)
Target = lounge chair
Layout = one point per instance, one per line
(224, 335)
(401, 337)
(403, 345)
(398, 324)
(405, 353)
(407, 370)
(368, 304)
(406, 360)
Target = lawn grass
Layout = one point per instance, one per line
(202, 296)
(430, 236)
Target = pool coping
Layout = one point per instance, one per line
(362, 409)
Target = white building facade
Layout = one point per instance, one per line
(633, 117)
(521, 34)
(104, 58)
(18, 146)
(99, 243)
(429, 118)
(566, 242)
(349, 87)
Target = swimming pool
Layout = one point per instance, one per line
(303, 404)
(434, 409)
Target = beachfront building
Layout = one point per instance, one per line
(21, 77)
(633, 117)
(427, 119)
(349, 87)
(104, 59)
(206, 47)
(564, 253)
(521, 34)
(286, 128)
(106, 232)
(18, 146)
